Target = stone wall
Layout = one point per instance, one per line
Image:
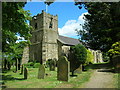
(44, 37)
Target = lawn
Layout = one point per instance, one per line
(117, 78)
(15, 80)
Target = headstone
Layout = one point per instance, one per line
(52, 65)
(79, 69)
(63, 69)
(41, 72)
(22, 67)
(25, 73)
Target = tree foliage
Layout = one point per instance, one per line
(90, 57)
(115, 49)
(80, 53)
(14, 21)
(48, 2)
(102, 24)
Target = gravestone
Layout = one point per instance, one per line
(22, 67)
(79, 69)
(41, 72)
(52, 65)
(63, 66)
(25, 73)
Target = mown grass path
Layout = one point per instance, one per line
(101, 78)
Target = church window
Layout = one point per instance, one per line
(35, 25)
(51, 25)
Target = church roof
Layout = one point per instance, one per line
(68, 41)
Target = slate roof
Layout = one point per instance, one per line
(68, 41)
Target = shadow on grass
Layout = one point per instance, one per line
(99, 66)
(9, 77)
(73, 75)
(6, 78)
(106, 70)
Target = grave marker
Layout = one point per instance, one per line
(63, 69)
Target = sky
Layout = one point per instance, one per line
(69, 16)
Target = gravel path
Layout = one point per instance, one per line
(100, 79)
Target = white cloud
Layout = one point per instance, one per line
(69, 28)
(19, 39)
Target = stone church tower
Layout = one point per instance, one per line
(44, 37)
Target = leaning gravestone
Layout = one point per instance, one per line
(63, 69)
(25, 73)
(22, 67)
(79, 69)
(41, 72)
(52, 65)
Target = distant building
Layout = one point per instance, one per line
(97, 56)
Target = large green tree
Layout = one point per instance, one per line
(77, 57)
(14, 22)
(102, 24)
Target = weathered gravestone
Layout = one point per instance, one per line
(63, 69)
(22, 67)
(52, 65)
(41, 72)
(79, 69)
(25, 73)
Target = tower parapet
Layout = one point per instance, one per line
(44, 37)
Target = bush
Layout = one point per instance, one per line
(80, 53)
(31, 63)
(90, 57)
(36, 65)
(115, 49)
(27, 65)
(78, 56)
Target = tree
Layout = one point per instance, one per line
(14, 22)
(77, 57)
(90, 57)
(48, 2)
(15, 55)
(115, 49)
(102, 24)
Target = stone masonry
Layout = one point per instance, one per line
(46, 43)
(44, 37)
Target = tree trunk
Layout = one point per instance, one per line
(16, 65)
(72, 73)
(5, 64)
(8, 65)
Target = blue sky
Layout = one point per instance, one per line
(69, 15)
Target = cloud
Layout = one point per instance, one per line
(19, 39)
(69, 28)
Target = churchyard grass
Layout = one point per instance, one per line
(15, 80)
(117, 79)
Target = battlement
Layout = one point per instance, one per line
(44, 14)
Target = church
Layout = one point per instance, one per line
(46, 43)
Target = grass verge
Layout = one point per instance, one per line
(15, 80)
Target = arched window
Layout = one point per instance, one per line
(36, 26)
